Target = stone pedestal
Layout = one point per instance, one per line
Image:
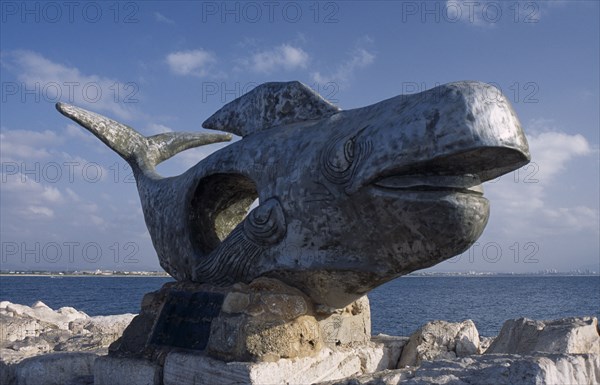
(257, 333)
(182, 368)
(188, 367)
(263, 321)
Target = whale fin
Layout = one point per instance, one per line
(141, 152)
(270, 105)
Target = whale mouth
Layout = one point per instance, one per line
(467, 184)
(461, 172)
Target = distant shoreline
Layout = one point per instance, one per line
(48, 275)
(501, 275)
(435, 275)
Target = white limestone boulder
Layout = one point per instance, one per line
(43, 314)
(54, 369)
(440, 340)
(349, 325)
(484, 343)
(108, 328)
(541, 369)
(30, 338)
(567, 335)
(17, 328)
(392, 349)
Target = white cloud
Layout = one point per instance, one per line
(38, 154)
(28, 199)
(552, 150)
(36, 173)
(155, 128)
(72, 195)
(577, 218)
(40, 210)
(52, 194)
(31, 137)
(162, 18)
(57, 82)
(78, 132)
(38, 193)
(98, 221)
(17, 145)
(285, 56)
(193, 62)
(359, 58)
(522, 198)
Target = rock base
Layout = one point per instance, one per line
(187, 367)
(263, 321)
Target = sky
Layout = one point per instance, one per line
(68, 202)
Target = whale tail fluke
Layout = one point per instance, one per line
(141, 152)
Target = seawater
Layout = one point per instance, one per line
(397, 308)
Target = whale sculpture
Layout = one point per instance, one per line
(348, 200)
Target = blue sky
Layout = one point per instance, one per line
(67, 201)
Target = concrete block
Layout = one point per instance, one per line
(191, 368)
(54, 369)
(126, 371)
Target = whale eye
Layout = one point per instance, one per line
(349, 150)
(337, 161)
(339, 158)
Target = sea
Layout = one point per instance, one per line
(398, 307)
